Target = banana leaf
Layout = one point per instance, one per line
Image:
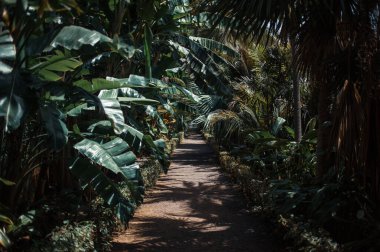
(103, 155)
(115, 156)
(112, 108)
(74, 37)
(52, 68)
(129, 134)
(7, 50)
(90, 175)
(12, 108)
(54, 125)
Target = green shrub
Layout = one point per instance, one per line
(71, 237)
(150, 171)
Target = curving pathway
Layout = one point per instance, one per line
(195, 208)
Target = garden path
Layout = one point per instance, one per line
(195, 208)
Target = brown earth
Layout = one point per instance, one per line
(195, 208)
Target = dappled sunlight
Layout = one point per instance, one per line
(195, 208)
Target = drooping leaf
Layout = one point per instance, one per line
(5, 242)
(276, 127)
(52, 68)
(112, 108)
(7, 182)
(90, 175)
(6, 220)
(129, 134)
(76, 111)
(132, 136)
(12, 109)
(134, 81)
(290, 131)
(7, 50)
(96, 153)
(74, 37)
(129, 92)
(311, 124)
(116, 157)
(54, 125)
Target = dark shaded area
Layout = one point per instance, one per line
(196, 208)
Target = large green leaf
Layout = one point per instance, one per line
(112, 108)
(12, 108)
(55, 127)
(5, 242)
(216, 46)
(103, 154)
(129, 92)
(129, 134)
(7, 50)
(6, 182)
(90, 175)
(132, 136)
(134, 81)
(116, 157)
(77, 111)
(74, 37)
(276, 127)
(98, 84)
(52, 68)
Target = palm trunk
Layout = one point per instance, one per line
(324, 129)
(296, 97)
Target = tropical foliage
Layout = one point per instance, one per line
(79, 104)
(91, 90)
(330, 50)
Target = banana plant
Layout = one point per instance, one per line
(115, 156)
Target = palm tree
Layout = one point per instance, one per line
(335, 42)
(296, 98)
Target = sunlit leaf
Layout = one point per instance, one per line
(12, 109)
(74, 37)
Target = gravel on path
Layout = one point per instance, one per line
(195, 208)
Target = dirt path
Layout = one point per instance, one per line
(195, 208)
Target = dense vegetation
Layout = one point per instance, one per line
(93, 94)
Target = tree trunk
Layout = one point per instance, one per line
(296, 98)
(324, 128)
(118, 18)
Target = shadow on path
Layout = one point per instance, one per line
(195, 208)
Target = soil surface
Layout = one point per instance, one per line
(195, 208)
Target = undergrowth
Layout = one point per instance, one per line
(335, 215)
